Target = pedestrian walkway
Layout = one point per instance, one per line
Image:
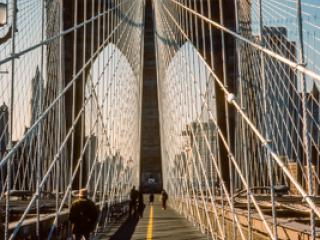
(156, 224)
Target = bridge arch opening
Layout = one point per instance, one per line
(187, 80)
(114, 91)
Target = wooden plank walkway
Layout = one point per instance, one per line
(156, 224)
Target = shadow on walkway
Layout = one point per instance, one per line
(127, 229)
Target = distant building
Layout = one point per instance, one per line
(285, 107)
(282, 93)
(35, 96)
(202, 142)
(313, 101)
(313, 122)
(91, 150)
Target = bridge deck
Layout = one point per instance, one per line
(161, 224)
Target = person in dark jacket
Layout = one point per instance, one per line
(151, 199)
(133, 200)
(164, 198)
(83, 216)
(141, 205)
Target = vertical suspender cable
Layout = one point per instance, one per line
(304, 114)
(227, 113)
(84, 73)
(266, 126)
(242, 126)
(74, 102)
(39, 112)
(10, 160)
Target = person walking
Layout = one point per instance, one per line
(151, 199)
(141, 205)
(133, 201)
(164, 198)
(83, 216)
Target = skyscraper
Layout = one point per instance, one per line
(35, 96)
(282, 94)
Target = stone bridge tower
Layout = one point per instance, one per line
(151, 174)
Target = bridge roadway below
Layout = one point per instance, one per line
(156, 224)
